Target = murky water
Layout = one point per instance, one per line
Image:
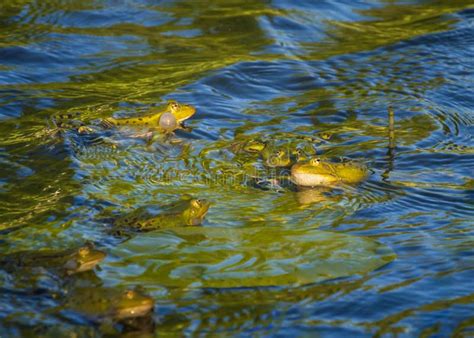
(392, 256)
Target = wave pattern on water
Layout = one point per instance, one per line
(302, 74)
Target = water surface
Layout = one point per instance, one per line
(272, 69)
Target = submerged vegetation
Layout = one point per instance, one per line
(250, 167)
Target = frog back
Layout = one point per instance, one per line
(35, 258)
(351, 172)
(152, 120)
(145, 219)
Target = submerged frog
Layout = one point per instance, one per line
(169, 119)
(250, 146)
(185, 212)
(304, 154)
(254, 146)
(277, 153)
(317, 172)
(60, 124)
(276, 157)
(286, 155)
(69, 261)
(107, 303)
(271, 154)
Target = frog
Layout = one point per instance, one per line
(254, 146)
(271, 154)
(276, 153)
(320, 172)
(250, 146)
(67, 261)
(74, 121)
(279, 158)
(60, 124)
(284, 156)
(268, 174)
(167, 120)
(101, 303)
(187, 211)
(302, 154)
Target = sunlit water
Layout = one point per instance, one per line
(391, 256)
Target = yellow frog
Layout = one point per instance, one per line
(169, 119)
(317, 172)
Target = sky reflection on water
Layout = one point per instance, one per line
(266, 69)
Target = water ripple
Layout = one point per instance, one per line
(297, 73)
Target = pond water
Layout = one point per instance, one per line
(391, 256)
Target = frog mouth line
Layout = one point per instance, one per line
(86, 266)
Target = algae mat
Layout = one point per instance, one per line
(198, 257)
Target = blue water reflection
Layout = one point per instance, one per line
(280, 70)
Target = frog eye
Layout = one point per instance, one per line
(130, 294)
(315, 161)
(196, 203)
(84, 251)
(174, 105)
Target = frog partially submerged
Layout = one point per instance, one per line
(318, 172)
(185, 212)
(247, 146)
(107, 303)
(271, 154)
(163, 121)
(169, 119)
(67, 262)
(283, 155)
(276, 157)
(60, 125)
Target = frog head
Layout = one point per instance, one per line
(132, 303)
(180, 111)
(196, 211)
(83, 259)
(278, 158)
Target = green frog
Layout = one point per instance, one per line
(303, 154)
(317, 172)
(62, 122)
(275, 153)
(254, 146)
(249, 146)
(276, 157)
(271, 154)
(284, 156)
(169, 119)
(69, 261)
(107, 303)
(185, 212)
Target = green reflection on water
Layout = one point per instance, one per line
(268, 256)
(41, 181)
